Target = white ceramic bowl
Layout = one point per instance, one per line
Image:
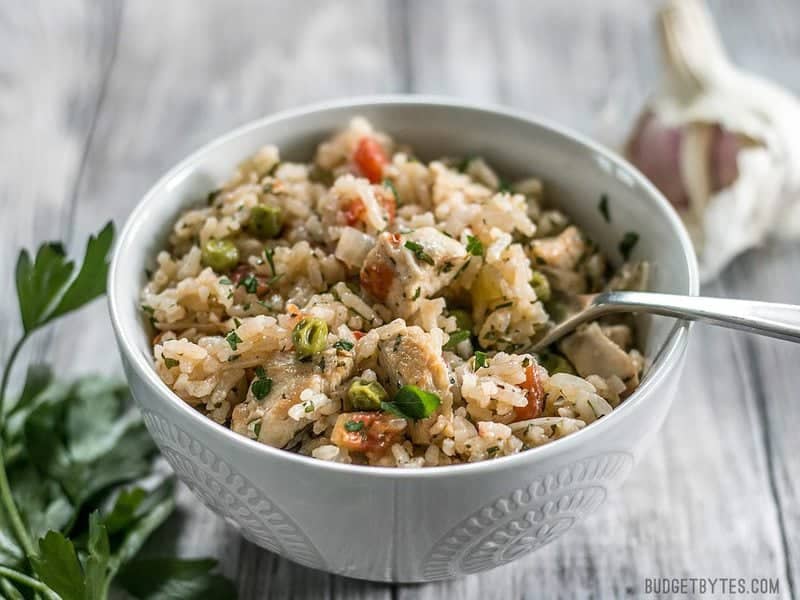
(434, 523)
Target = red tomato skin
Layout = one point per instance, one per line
(370, 159)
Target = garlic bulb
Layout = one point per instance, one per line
(721, 144)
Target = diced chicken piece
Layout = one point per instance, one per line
(411, 266)
(621, 335)
(562, 251)
(413, 357)
(592, 353)
(564, 280)
(289, 378)
(632, 276)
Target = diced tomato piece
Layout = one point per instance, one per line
(533, 385)
(358, 334)
(354, 212)
(372, 433)
(370, 159)
(376, 278)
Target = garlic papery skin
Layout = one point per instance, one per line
(722, 145)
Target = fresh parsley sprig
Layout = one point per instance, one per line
(84, 497)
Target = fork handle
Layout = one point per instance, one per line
(780, 321)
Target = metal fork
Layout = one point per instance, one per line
(780, 321)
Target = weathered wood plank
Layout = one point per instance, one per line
(53, 66)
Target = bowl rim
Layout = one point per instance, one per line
(667, 358)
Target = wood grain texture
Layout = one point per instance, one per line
(97, 99)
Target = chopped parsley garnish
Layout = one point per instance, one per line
(504, 186)
(249, 283)
(419, 252)
(169, 362)
(603, 208)
(233, 340)
(456, 338)
(388, 183)
(257, 428)
(417, 293)
(343, 345)
(628, 243)
(262, 385)
(212, 195)
(412, 402)
(148, 309)
(225, 281)
(464, 164)
(353, 426)
(309, 408)
(492, 451)
(474, 246)
(269, 254)
(236, 322)
(480, 359)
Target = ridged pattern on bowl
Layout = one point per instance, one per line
(230, 494)
(527, 518)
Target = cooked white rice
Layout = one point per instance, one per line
(435, 276)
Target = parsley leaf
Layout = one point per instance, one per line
(411, 402)
(172, 578)
(91, 279)
(269, 254)
(57, 566)
(388, 183)
(249, 283)
(353, 426)
(75, 454)
(480, 359)
(262, 385)
(43, 287)
(343, 345)
(603, 208)
(419, 252)
(233, 340)
(38, 283)
(474, 246)
(628, 243)
(456, 338)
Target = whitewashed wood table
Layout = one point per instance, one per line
(97, 99)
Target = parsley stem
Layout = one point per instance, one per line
(7, 500)
(25, 580)
(6, 374)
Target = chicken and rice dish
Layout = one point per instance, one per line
(371, 308)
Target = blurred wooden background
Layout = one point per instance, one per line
(98, 98)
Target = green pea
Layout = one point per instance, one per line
(220, 255)
(265, 221)
(309, 336)
(555, 363)
(366, 395)
(463, 319)
(541, 286)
